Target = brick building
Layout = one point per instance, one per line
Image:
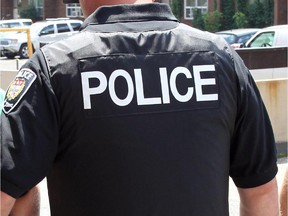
(55, 8)
(45, 9)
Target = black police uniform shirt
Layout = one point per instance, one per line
(136, 115)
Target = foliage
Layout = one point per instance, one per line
(235, 14)
(228, 10)
(198, 19)
(240, 20)
(260, 14)
(215, 4)
(28, 11)
(177, 8)
(269, 12)
(242, 6)
(212, 21)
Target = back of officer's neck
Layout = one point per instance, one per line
(89, 6)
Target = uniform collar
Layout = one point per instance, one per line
(130, 13)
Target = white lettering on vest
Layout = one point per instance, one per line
(164, 85)
(167, 85)
(201, 82)
(174, 74)
(114, 97)
(141, 100)
(87, 91)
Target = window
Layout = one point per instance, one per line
(191, 5)
(11, 25)
(27, 23)
(76, 26)
(244, 38)
(73, 10)
(47, 30)
(263, 40)
(230, 38)
(39, 7)
(63, 27)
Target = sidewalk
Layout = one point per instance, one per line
(233, 194)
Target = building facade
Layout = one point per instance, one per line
(44, 9)
(56, 8)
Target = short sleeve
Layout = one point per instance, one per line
(253, 160)
(29, 128)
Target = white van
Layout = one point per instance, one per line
(274, 36)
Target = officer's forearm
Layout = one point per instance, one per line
(28, 205)
(7, 203)
(260, 201)
(283, 195)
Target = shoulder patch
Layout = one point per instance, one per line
(17, 89)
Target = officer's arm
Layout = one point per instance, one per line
(259, 201)
(27, 205)
(283, 195)
(7, 202)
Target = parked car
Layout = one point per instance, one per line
(273, 36)
(14, 23)
(236, 37)
(42, 32)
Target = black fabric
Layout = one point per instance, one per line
(29, 134)
(254, 144)
(133, 122)
(70, 1)
(130, 13)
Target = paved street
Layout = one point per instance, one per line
(11, 64)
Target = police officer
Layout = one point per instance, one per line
(138, 115)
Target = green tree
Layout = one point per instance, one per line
(177, 8)
(255, 17)
(260, 14)
(198, 19)
(269, 12)
(228, 11)
(28, 11)
(242, 6)
(240, 20)
(212, 21)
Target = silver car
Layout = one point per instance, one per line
(42, 32)
(236, 37)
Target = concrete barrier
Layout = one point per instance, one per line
(264, 57)
(6, 77)
(275, 97)
(269, 67)
(266, 63)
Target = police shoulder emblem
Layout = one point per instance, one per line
(17, 89)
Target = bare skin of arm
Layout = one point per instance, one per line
(283, 195)
(7, 203)
(260, 201)
(27, 205)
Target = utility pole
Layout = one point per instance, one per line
(0, 9)
(15, 9)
